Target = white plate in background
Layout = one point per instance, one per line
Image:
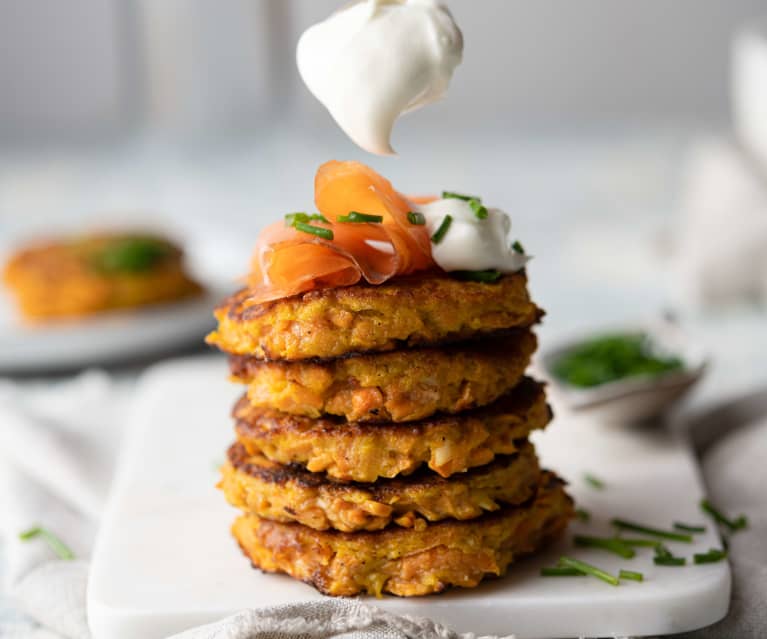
(108, 338)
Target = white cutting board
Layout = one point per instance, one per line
(164, 560)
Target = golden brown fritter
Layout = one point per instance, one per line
(403, 385)
(415, 310)
(290, 493)
(360, 451)
(90, 274)
(407, 562)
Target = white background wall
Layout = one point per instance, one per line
(81, 67)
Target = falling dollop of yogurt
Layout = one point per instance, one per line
(377, 59)
(471, 243)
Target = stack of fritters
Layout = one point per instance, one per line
(382, 441)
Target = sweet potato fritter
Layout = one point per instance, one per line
(290, 493)
(86, 275)
(407, 562)
(414, 310)
(361, 451)
(403, 385)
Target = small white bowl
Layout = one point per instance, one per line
(633, 399)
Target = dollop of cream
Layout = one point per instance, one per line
(377, 59)
(472, 244)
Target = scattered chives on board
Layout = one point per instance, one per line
(588, 569)
(58, 546)
(648, 530)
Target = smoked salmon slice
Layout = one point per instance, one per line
(288, 261)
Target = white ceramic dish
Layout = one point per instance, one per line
(165, 561)
(109, 338)
(634, 399)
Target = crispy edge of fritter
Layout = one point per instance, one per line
(361, 451)
(332, 322)
(289, 493)
(402, 385)
(408, 562)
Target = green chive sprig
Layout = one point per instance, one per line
(739, 523)
(518, 248)
(357, 217)
(325, 234)
(56, 545)
(610, 544)
(593, 481)
(479, 210)
(558, 571)
(664, 557)
(440, 233)
(416, 218)
(452, 195)
(689, 527)
(653, 532)
(588, 569)
(582, 514)
(712, 556)
(300, 216)
(478, 276)
(630, 575)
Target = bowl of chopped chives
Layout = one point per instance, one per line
(627, 374)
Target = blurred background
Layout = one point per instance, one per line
(597, 125)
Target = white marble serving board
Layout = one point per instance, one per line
(164, 560)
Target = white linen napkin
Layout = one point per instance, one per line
(720, 245)
(58, 449)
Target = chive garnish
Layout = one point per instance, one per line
(479, 210)
(610, 544)
(663, 560)
(300, 216)
(414, 217)
(325, 234)
(593, 481)
(477, 276)
(631, 575)
(451, 195)
(653, 532)
(356, 216)
(739, 523)
(640, 543)
(561, 572)
(689, 528)
(440, 233)
(56, 545)
(588, 569)
(517, 246)
(710, 557)
(582, 514)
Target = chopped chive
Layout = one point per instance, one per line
(610, 544)
(654, 532)
(662, 560)
(588, 569)
(440, 233)
(325, 234)
(710, 557)
(640, 543)
(56, 545)
(662, 551)
(593, 481)
(561, 572)
(292, 218)
(517, 246)
(451, 195)
(479, 210)
(414, 217)
(477, 276)
(689, 528)
(631, 575)
(739, 523)
(582, 514)
(356, 216)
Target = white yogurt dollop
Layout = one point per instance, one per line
(472, 244)
(377, 59)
